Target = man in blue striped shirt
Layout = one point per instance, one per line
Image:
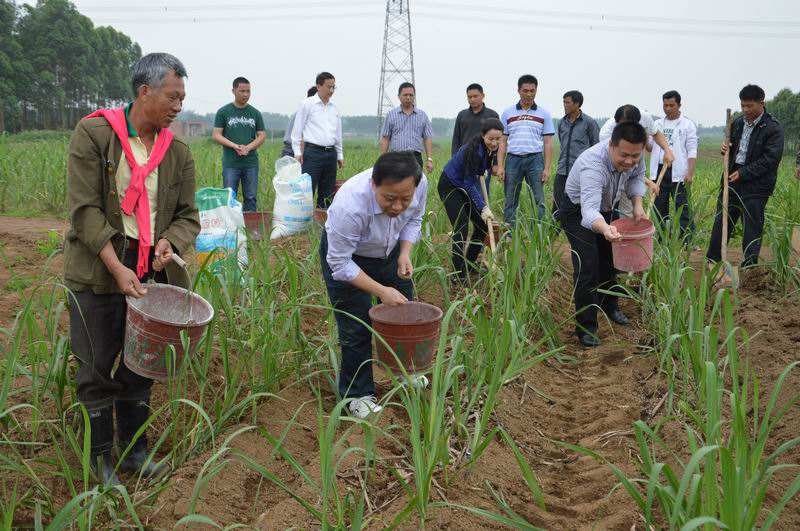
(529, 147)
(407, 128)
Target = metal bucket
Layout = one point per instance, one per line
(155, 321)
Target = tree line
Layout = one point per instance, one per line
(56, 66)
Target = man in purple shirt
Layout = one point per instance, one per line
(365, 251)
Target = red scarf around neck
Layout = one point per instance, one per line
(135, 202)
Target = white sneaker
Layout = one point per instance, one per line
(363, 407)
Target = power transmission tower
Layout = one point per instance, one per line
(397, 64)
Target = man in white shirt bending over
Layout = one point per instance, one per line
(317, 139)
(681, 135)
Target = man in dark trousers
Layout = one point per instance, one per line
(317, 138)
(130, 193)
(468, 122)
(602, 174)
(756, 148)
(577, 132)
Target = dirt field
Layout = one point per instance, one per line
(592, 402)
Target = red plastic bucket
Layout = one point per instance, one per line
(411, 330)
(258, 223)
(338, 184)
(320, 216)
(634, 252)
(155, 321)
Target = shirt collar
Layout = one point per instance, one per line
(483, 108)
(131, 131)
(376, 208)
(580, 116)
(533, 107)
(607, 159)
(754, 122)
(400, 109)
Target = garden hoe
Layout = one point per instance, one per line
(658, 185)
(730, 274)
(492, 243)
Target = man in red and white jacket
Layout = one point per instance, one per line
(681, 135)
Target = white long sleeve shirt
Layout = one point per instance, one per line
(318, 123)
(681, 135)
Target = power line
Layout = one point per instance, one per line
(170, 8)
(435, 15)
(601, 17)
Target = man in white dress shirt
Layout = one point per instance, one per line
(317, 139)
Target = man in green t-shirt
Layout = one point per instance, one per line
(239, 127)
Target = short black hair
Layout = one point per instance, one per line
(628, 113)
(240, 80)
(672, 95)
(631, 132)
(575, 96)
(405, 85)
(396, 166)
(322, 77)
(752, 93)
(475, 86)
(311, 92)
(526, 78)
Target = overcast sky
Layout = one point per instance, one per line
(615, 52)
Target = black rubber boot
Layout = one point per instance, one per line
(101, 423)
(131, 415)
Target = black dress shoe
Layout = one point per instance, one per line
(588, 340)
(618, 317)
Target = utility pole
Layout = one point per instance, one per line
(397, 64)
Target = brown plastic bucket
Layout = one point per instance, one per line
(634, 252)
(258, 223)
(320, 216)
(338, 184)
(411, 330)
(155, 321)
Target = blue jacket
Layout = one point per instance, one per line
(457, 173)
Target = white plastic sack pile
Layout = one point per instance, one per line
(222, 232)
(294, 199)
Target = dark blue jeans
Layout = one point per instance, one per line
(320, 164)
(355, 339)
(249, 179)
(519, 168)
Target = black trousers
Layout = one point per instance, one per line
(355, 339)
(559, 183)
(592, 267)
(97, 334)
(461, 210)
(751, 211)
(320, 163)
(680, 193)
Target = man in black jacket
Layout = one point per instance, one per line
(756, 148)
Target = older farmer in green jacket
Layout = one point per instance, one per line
(130, 188)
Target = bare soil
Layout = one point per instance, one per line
(591, 401)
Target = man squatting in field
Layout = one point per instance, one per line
(756, 148)
(599, 176)
(365, 251)
(130, 184)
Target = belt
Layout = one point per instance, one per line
(526, 155)
(323, 148)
